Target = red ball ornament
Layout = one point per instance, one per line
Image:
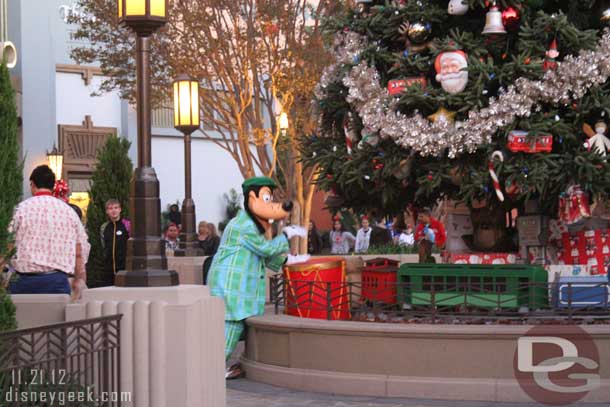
(510, 18)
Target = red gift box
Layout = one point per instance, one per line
(591, 247)
(481, 258)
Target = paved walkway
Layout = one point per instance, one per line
(246, 393)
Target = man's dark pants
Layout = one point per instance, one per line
(48, 283)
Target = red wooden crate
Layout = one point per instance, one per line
(379, 280)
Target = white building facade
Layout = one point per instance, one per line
(56, 108)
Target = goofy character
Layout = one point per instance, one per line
(237, 273)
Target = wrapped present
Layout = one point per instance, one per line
(481, 258)
(533, 230)
(574, 205)
(605, 242)
(573, 248)
(557, 271)
(590, 248)
(536, 255)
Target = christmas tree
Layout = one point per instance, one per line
(110, 180)
(470, 100)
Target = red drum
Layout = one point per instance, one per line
(317, 288)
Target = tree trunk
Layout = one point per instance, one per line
(490, 232)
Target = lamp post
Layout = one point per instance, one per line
(283, 123)
(186, 120)
(146, 262)
(56, 162)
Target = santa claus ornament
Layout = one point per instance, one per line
(451, 71)
(597, 139)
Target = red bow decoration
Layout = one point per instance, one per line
(61, 190)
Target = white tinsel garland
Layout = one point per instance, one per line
(377, 108)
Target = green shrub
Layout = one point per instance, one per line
(8, 322)
(395, 249)
(233, 202)
(11, 177)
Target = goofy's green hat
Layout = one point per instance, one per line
(257, 182)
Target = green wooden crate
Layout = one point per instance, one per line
(484, 286)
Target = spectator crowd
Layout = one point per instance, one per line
(51, 246)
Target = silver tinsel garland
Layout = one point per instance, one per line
(377, 108)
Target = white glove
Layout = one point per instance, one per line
(299, 258)
(293, 230)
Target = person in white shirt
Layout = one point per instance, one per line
(340, 239)
(50, 241)
(407, 238)
(363, 236)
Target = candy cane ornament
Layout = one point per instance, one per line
(494, 176)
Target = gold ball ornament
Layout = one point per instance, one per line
(419, 32)
(441, 115)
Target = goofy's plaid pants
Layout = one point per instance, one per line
(233, 331)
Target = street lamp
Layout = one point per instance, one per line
(56, 162)
(283, 122)
(146, 262)
(186, 120)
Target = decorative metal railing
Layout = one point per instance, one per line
(73, 364)
(433, 301)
